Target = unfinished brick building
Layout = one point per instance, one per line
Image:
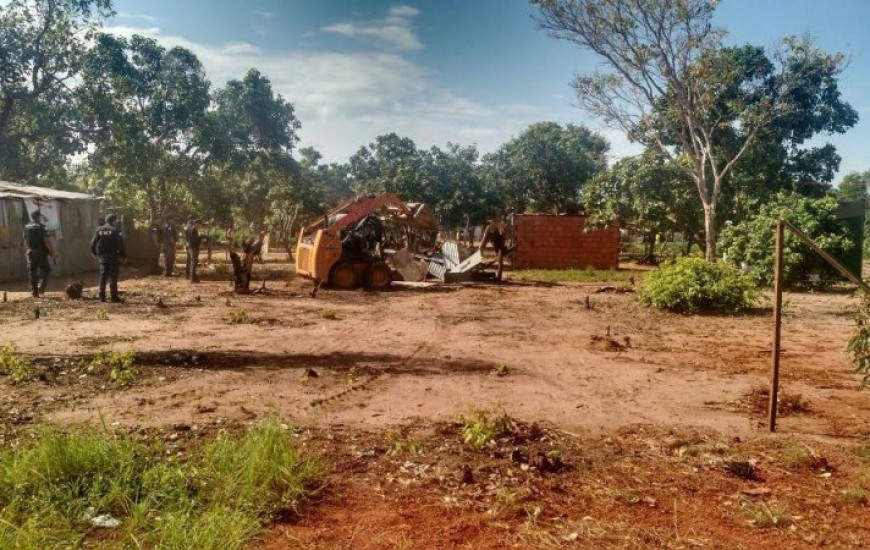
(547, 241)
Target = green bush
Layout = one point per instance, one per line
(859, 342)
(692, 285)
(14, 366)
(751, 242)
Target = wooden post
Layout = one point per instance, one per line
(777, 323)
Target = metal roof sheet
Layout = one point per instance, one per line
(9, 189)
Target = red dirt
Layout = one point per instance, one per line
(619, 376)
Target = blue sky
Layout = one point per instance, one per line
(466, 71)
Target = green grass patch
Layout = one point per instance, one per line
(55, 490)
(588, 275)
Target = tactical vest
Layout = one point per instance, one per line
(34, 234)
(107, 241)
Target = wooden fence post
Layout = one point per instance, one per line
(777, 324)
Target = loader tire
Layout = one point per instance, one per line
(378, 276)
(342, 276)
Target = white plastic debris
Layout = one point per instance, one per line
(105, 521)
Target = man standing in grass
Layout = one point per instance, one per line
(39, 250)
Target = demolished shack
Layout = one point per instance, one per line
(70, 218)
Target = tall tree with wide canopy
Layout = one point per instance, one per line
(250, 135)
(146, 106)
(545, 167)
(673, 86)
(42, 44)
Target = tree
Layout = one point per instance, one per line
(448, 180)
(146, 106)
(250, 135)
(854, 186)
(250, 119)
(546, 166)
(42, 43)
(391, 164)
(645, 194)
(457, 192)
(673, 86)
(749, 244)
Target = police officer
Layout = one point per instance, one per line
(191, 237)
(155, 238)
(170, 238)
(108, 246)
(39, 249)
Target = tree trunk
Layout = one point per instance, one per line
(710, 231)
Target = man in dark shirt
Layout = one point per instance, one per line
(191, 237)
(108, 246)
(155, 239)
(170, 238)
(39, 249)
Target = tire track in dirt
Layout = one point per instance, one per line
(356, 393)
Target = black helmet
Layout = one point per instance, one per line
(111, 218)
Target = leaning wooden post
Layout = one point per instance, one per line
(777, 324)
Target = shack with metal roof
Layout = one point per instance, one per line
(70, 218)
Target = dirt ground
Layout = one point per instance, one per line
(631, 427)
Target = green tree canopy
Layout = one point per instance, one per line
(854, 186)
(749, 244)
(546, 166)
(42, 45)
(145, 105)
(645, 194)
(673, 85)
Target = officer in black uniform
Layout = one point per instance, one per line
(108, 246)
(191, 236)
(170, 238)
(39, 249)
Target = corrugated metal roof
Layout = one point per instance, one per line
(8, 189)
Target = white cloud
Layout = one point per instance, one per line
(139, 16)
(239, 48)
(346, 99)
(265, 14)
(403, 11)
(394, 31)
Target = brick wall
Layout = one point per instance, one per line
(546, 241)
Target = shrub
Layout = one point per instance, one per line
(859, 342)
(328, 313)
(751, 242)
(15, 367)
(237, 317)
(119, 364)
(481, 427)
(693, 284)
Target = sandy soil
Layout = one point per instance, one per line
(594, 365)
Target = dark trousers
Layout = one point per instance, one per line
(154, 260)
(192, 262)
(168, 260)
(110, 268)
(38, 270)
